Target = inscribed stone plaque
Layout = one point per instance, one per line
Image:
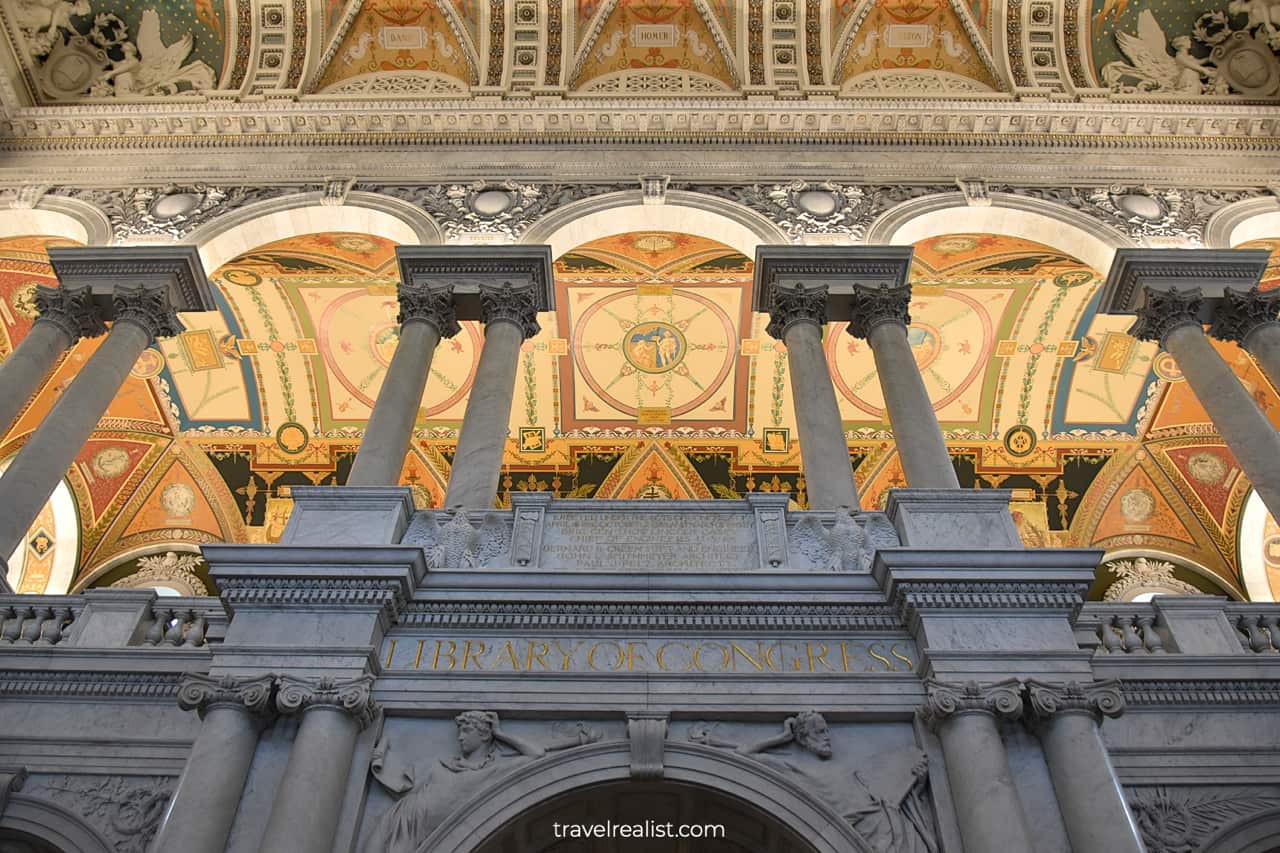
(650, 541)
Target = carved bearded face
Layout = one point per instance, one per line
(813, 735)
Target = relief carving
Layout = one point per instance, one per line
(1179, 821)
(485, 751)
(457, 544)
(891, 810)
(124, 810)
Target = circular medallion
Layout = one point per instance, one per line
(491, 202)
(1271, 551)
(1020, 440)
(174, 204)
(653, 243)
(24, 300)
(110, 462)
(954, 245)
(1166, 368)
(1137, 505)
(355, 243)
(178, 499)
(654, 347)
(1073, 278)
(149, 364)
(292, 437)
(71, 68)
(243, 278)
(1206, 467)
(925, 342)
(817, 202)
(1140, 205)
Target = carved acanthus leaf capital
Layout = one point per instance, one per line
(353, 697)
(202, 692)
(944, 700)
(517, 305)
(1166, 310)
(793, 305)
(871, 308)
(430, 305)
(149, 309)
(1240, 312)
(72, 311)
(1097, 698)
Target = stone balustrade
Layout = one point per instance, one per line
(97, 621)
(1180, 625)
(37, 620)
(1258, 627)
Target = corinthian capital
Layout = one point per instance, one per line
(1097, 698)
(72, 311)
(149, 309)
(202, 692)
(1166, 310)
(353, 697)
(873, 307)
(944, 699)
(509, 304)
(1240, 312)
(430, 305)
(793, 305)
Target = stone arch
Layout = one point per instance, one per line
(1255, 834)
(235, 233)
(87, 578)
(51, 824)
(1033, 219)
(56, 216)
(1251, 219)
(686, 212)
(723, 772)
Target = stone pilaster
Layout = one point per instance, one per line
(203, 807)
(797, 317)
(510, 316)
(66, 316)
(427, 314)
(1066, 716)
(1249, 318)
(880, 316)
(1174, 318)
(965, 716)
(304, 816)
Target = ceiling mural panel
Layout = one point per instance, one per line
(406, 40)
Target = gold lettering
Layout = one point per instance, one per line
(662, 650)
(754, 661)
(509, 651)
(893, 650)
(821, 657)
(568, 656)
(697, 657)
(545, 650)
(390, 654)
(468, 654)
(631, 653)
(453, 647)
(844, 656)
(591, 656)
(888, 664)
(769, 659)
(417, 659)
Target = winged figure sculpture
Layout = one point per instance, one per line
(153, 68)
(1150, 66)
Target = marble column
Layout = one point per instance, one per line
(233, 711)
(1173, 318)
(308, 804)
(880, 317)
(987, 805)
(426, 315)
(1249, 319)
(1066, 717)
(66, 316)
(141, 315)
(797, 317)
(509, 315)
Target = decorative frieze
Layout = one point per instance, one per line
(125, 811)
(171, 210)
(90, 684)
(353, 697)
(1177, 819)
(253, 591)
(1187, 693)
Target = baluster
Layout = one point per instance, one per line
(52, 632)
(1258, 641)
(1110, 639)
(1241, 634)
(195, 636)
(156, 632)
(1150, 636)
(30, 627)
(1271, 624)
(42, 626)
(1132, 642)
(176, 622)
(10, 625)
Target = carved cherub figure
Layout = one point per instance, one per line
(481, 741)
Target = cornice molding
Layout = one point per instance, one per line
(87, 684)
(1165, 693)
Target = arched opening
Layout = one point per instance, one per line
(658, 816)
(12, 841)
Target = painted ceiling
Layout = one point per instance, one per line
(653, 379)
(90, 50)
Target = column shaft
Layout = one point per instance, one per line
(473, 480)
(823, 449)
(1263, 343)
(204, 805)
(47, 455)
(916, 433)
(1251, 437)
(987, 805)
(23, 372)
(386, 439)
(304, 817)
(1089, 795)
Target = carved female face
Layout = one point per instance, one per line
(472, 737)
